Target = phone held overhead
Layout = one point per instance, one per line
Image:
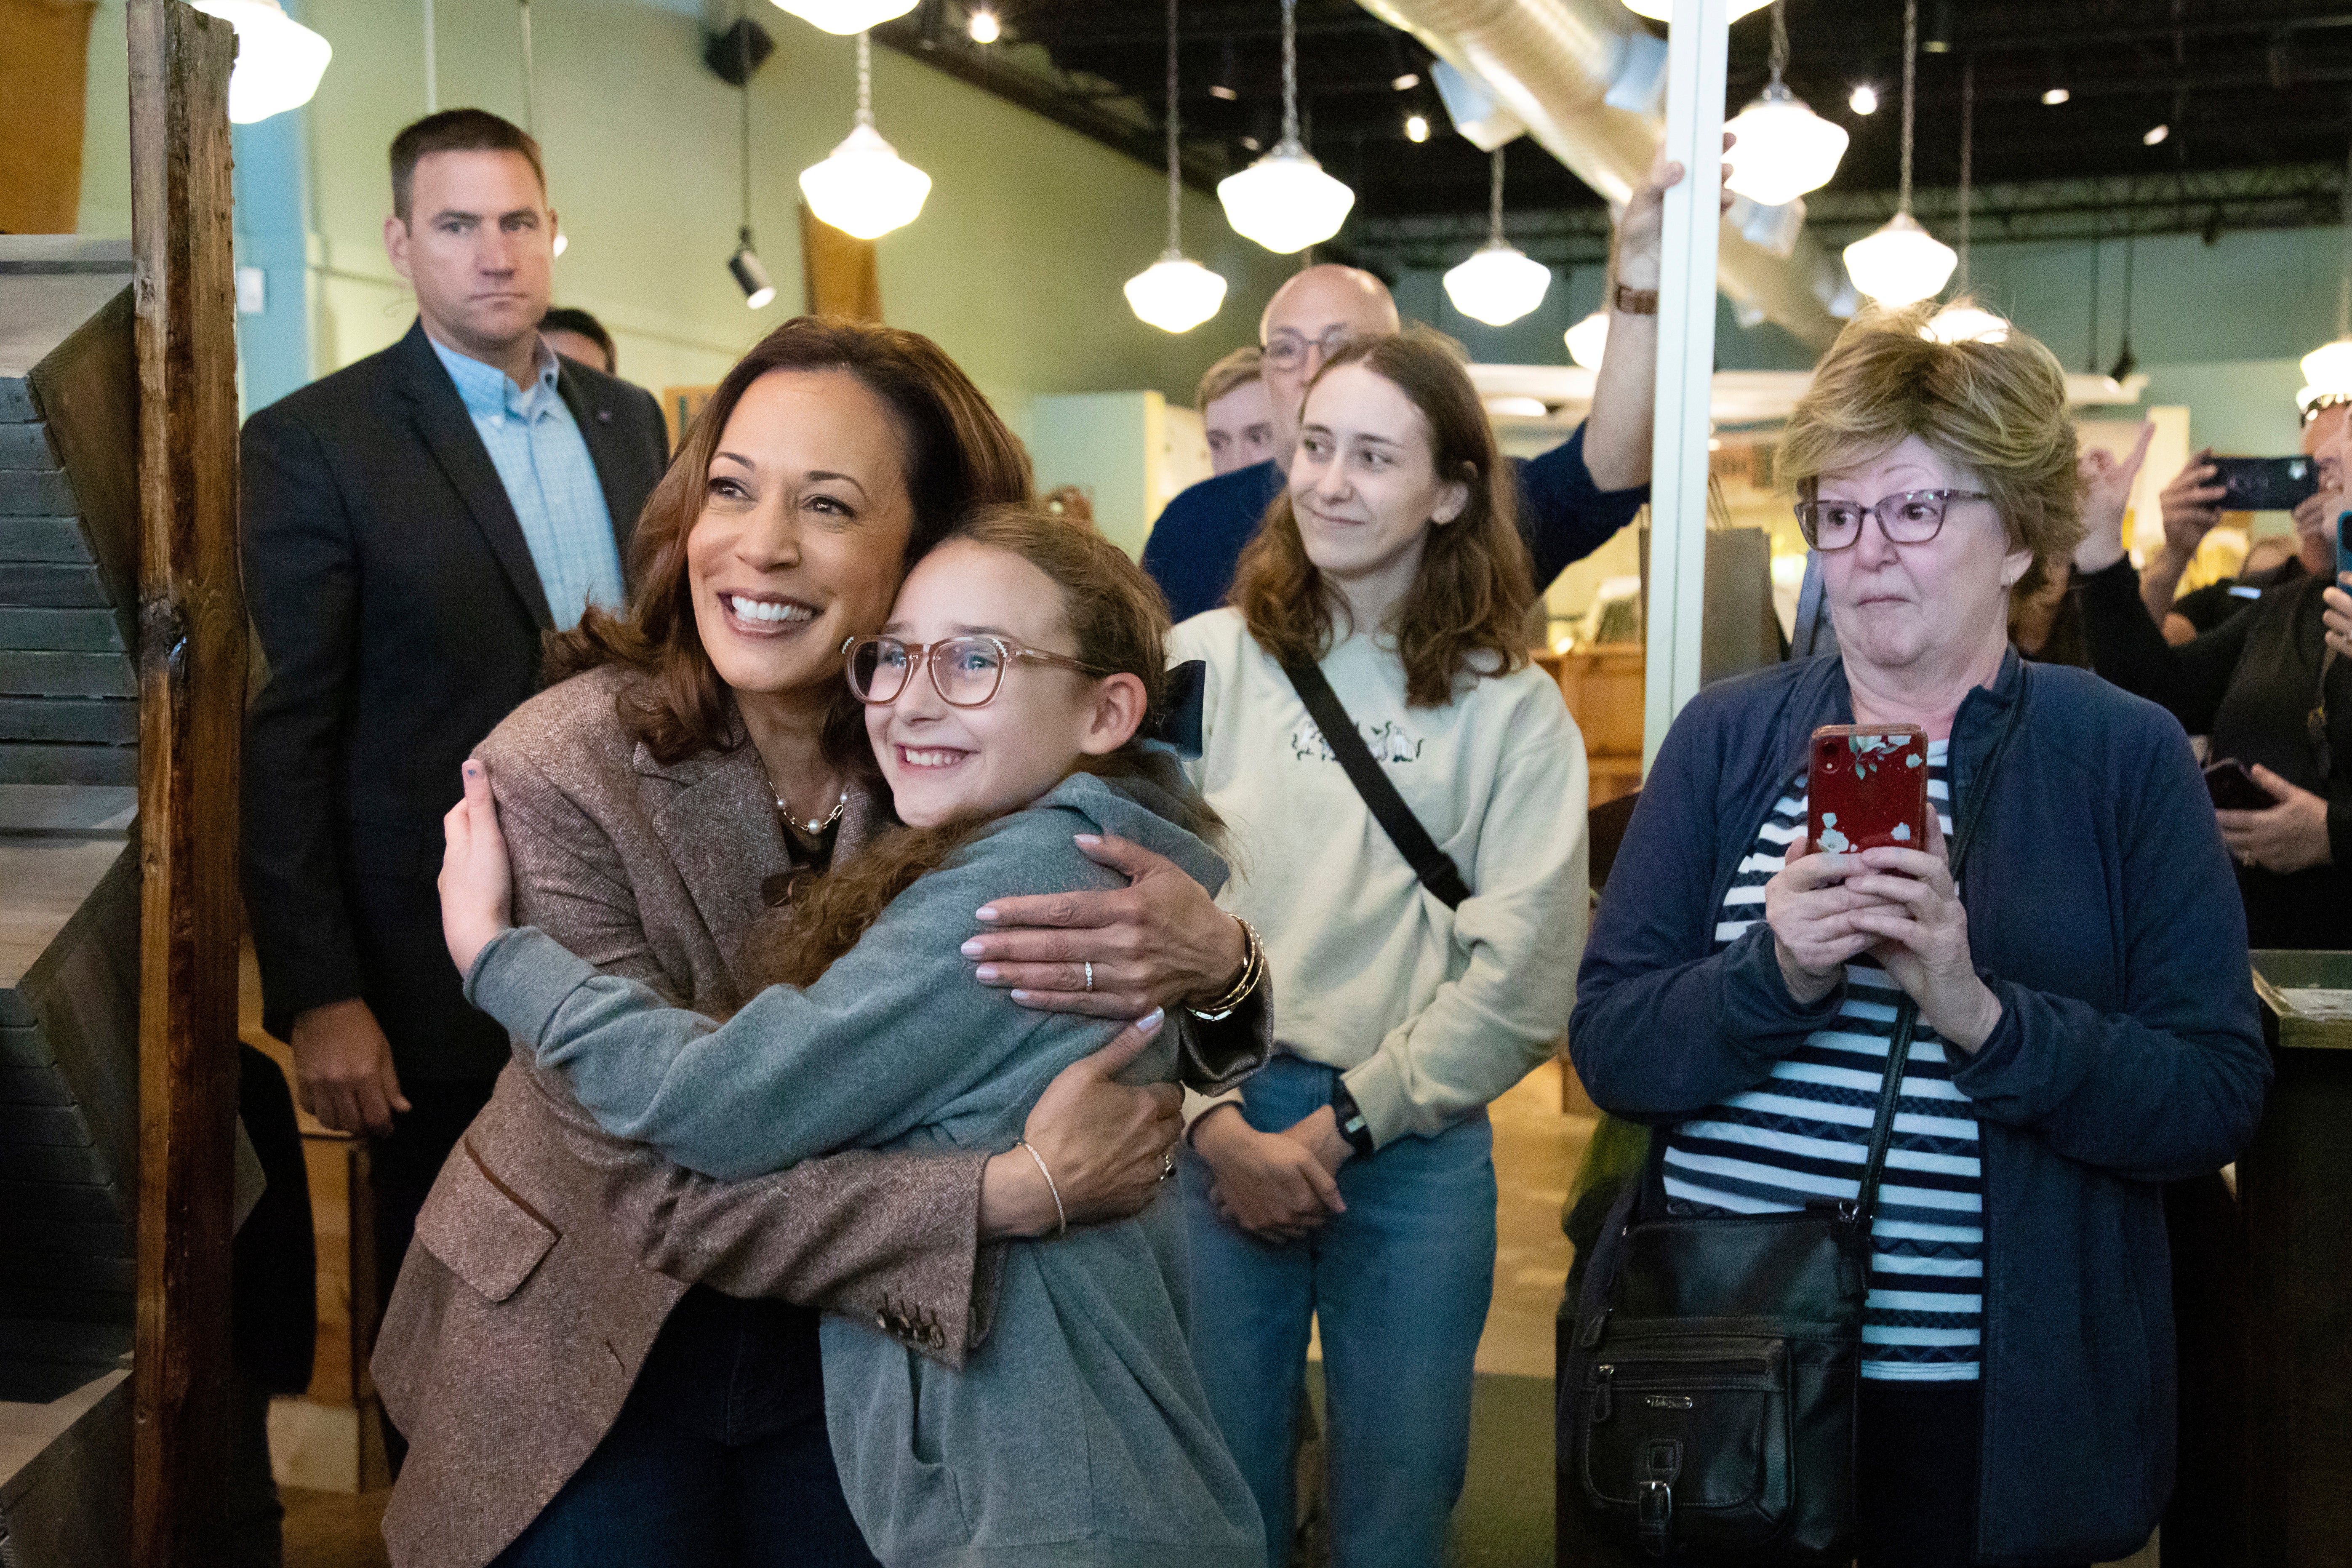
(1868, 788)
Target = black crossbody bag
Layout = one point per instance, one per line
(1707, 1408)
(1435, 869)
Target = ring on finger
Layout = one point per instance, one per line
(1090, 973)
(1168, 1162)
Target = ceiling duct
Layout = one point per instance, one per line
(1565, 68)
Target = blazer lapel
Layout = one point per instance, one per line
(717, 821)
(449, 434)
(598, 418)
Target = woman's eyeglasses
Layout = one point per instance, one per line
(965, 671)
(1913, 517)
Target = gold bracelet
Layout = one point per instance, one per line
(1253, 970)
(1060, 1214)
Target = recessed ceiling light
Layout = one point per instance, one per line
(1221, 90)
(1407, 82)
(2156, 133)
(2055, 96)
(985, 28)
(1416, 128)
(1865, 100)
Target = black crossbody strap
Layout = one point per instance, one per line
(1906, 1016)
(1435, 869)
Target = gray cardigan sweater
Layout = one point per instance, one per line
(1078, 1433)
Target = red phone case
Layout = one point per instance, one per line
(1867, 788)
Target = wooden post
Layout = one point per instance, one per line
(191, 695)
(1697, 47)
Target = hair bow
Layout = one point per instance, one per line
(1180, 719)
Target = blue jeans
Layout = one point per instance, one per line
(1400, 1284)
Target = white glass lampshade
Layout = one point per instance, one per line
(865, 188)
(1175, 294)
(1965, 324)
(1498, 284)
(1588, 338)
(1784, 148)
(279, 60)
(2328, 368)
(1901, 262)
(1285, 201)
(846, 17)
(1664, 10)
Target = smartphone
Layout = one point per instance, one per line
(2265, 484)
(2234, 789)
(1867, 788)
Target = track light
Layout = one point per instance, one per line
(2054, 97)
(749, 275)
(1407, 82)
(1416, 127)
(2155, 134)
(985, 28)
(1864, 100)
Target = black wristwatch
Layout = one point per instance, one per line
(1352, 1125)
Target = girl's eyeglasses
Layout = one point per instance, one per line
(966, 671)
(1915, 517)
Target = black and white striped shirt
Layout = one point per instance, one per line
(1805, 1135)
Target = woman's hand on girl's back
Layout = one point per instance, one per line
(1106, 1143)
(1810, 910)
(476, 882)
(1159, 942)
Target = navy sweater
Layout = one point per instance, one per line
(2103, 915)
(1198, 539)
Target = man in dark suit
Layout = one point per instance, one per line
(413, 525)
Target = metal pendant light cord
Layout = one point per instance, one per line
(1175, 176)
(1289, 73)
(1968, 146)
(1495, 200)
(530, 75)
(1910, 79)
(743, 67)
(1779, 40)
(2343, 289)
(865, 79)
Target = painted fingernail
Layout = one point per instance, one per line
(1018, 995)
(988, 914)
(1089, 839)
(971, 948)
(985, 971)
(1150, 1023)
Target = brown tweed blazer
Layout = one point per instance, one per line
(549, 1253)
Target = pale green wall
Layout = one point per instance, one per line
(1014, 266)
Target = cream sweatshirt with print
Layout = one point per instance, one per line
(1429, 1012)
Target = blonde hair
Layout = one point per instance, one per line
(1997, 407)
(1237, 369)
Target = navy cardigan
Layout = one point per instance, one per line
(2102, 914)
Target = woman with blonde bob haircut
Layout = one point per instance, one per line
(2085, 1031)
(1351, 1182)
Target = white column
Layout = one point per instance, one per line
(1696, 47)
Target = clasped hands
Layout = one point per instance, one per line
(1901, 907)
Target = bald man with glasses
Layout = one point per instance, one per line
(1572, 498)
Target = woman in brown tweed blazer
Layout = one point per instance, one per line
(590, 1351)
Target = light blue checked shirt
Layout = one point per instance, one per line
(543, 461)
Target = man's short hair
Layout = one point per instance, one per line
(1237, 369)
(571, 319)
(456, 130)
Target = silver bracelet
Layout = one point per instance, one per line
(1060, 1214)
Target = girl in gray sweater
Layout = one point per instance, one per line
(1005, 700)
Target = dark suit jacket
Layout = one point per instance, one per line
(396, 601)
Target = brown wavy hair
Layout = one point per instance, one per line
(1997, 408)
(1466, 610)
(1118, 620)
(958, 455)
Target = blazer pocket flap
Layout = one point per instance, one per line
(481, 1228)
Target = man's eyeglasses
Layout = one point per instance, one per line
(1913, 517)
(965, 671)
(1287, 350)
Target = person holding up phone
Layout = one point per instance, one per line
(2085, 1028)
(2261, 685)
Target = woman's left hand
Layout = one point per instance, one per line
(2338, 614)
(476, 882)
(1161, 941)
(1922, 939)
(2289, 836)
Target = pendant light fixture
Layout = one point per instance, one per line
(279, 60)
(864, 188)
(846, 17)
(1964, 323)
(1784, 148)
(2327, 368)
(1285, 201)
(1902, 262)
(1499, 283)
(1664, 10)
(749, 275)
(1173, 293)
(1588, 339)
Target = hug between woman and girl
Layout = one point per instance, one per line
(743, 886)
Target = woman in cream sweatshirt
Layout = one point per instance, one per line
(1352, 1180)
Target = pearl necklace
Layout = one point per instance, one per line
(815, 825)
